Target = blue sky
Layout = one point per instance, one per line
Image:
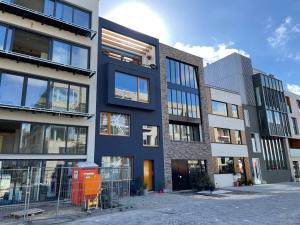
(268, 31)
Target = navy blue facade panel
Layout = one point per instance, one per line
(140, 113)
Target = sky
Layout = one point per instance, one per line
(267, 31)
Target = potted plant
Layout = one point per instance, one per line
(297, 177)
(160, 187)
(143, 189)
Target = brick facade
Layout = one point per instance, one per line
(183, 150)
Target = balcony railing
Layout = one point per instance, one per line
(44, 62)
(46, 111)
(45, 19)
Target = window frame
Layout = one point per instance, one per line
(158, 136)
(109, 130)
(48, 80)
(240, 137)
(230, 139)
(138, 79)
(187, 128)
(216, 101)
(237, 111)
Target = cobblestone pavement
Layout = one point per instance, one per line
(263, 204)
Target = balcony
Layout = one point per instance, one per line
(127, 49)
(28, 47)
(34, 12)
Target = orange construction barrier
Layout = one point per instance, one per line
(86, 184)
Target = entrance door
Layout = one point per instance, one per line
(148, 174)
(257, 170)
(180, 175)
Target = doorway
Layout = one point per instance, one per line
(148, 174)
(257, 170)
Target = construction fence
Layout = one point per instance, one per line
(39, 193)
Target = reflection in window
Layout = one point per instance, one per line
(131, 87)
(184, 132)
(55, 139)
(77, 99)
(270, 116)
(238, 137)
(181, 73)
(64, 12)
(219, 108)
(5, 38)
(182, 103)
(76, 141)
(222, 135)
(116, 167)
(11, 87)
(36, 94)
(225, 165)
(32, 138)
(58, 96)
(80, 57)
(114, 124)
(61, 52)
(235, 112)
(150, 135)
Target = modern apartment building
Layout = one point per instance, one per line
(48, 82)
(293, 108)
(128, 116)
(185, 122)
(265, 115)
(230, 161)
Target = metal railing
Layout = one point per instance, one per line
(52, 193)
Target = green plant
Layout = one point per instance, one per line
(297, 176)
(203, 182)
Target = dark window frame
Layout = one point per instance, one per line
(46, 125)
(48, 79)
(226, 104)
(158, 136)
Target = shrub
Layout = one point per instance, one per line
(203, 182)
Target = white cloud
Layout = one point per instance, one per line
(281, 34)
(294, 88)
(210, 54)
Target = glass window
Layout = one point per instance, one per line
(114, 124)
(253, 142)
(2, 37)
(81, 18)
(295, 126)
(58, 99)
(36, 5)
(184, 112)
(173, 71)
(187, 76)
(169, 101)
(192, 85)
(116, 167)
(225, 165)
(189, 104)
(55, 139)
(174, 100)
(143, 93)
(177, 132)
(277, 118)
(219, 108)
(49, 7)
(61, 52)
(36, 94)
(222, 135)
(32, 137)
(246, 118)
(131, 87)
(80, 57)
(270, 116)
(198, 106)
(194, 107)
(11, 87)
(182, 73)
(235, 111)
(195, 78)
(185, 135)
(76, 140)
(171, 133)
(258, 96)
(150, 135)
(64, 12)
(238, 137)
(177, 73)
(179, 103)
(77, 99)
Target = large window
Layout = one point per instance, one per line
(181, 73)
(183, 132)
(225, 165)
(11, 88)
(295, 126)
(131, 87)
(150, 135)
(182, 103)
(222, 135)
(36, 138)
(116, 167)
(41, 93)
(219, 108)
(69, 54)
(5, 38)
(114, 124)
(36, 94)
